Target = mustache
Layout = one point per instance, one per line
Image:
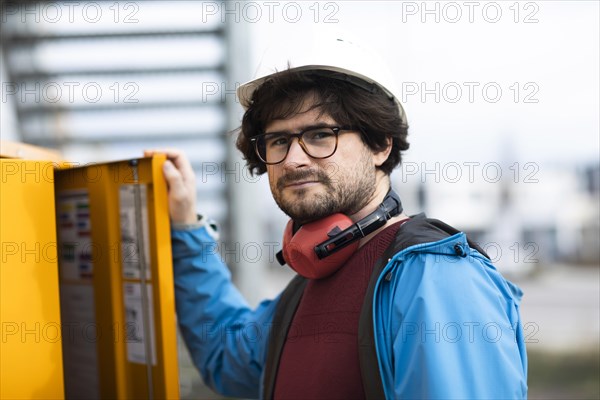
(303, 175)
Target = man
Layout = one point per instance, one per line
(383, 305)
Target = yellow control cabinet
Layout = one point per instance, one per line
(31, 364)
(87, 296)
(116, 281)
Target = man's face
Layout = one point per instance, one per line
(308, 189)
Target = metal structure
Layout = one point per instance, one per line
(102, 81)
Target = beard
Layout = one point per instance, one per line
(345, 191)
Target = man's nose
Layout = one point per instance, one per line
(296, 155)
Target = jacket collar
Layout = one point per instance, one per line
(433, 236)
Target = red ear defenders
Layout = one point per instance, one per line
(319, 248)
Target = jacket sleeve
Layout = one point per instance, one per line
(458, 332)
(225, 338)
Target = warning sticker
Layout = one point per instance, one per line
(130, 251)
(74, 227)
(139, 324)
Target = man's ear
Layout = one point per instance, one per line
(381, 156)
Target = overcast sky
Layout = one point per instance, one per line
(549, 48)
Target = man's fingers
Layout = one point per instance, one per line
(173, 177)
(182, 197)
(178, 159)
(184, 166)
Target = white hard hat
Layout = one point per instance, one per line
(325, 52)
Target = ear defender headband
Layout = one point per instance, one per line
(319, 248)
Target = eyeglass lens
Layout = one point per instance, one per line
(317, 143)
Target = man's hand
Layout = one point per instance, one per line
(182, 185)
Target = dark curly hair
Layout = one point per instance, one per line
(367, 109)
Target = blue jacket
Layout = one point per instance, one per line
(438, 321)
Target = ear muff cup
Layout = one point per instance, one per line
(298, 248)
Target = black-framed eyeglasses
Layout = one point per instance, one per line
(318, 142)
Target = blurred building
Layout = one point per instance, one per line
(523, 215)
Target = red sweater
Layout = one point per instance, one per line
(320, 355)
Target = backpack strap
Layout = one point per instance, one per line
(367, 354)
